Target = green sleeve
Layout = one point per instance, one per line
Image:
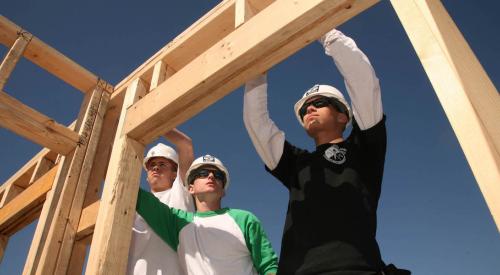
(264, 258)
(166, 222)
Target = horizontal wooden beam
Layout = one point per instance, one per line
(35, 126)
(234, 60)
(30, 198)
(23, 175)
(469, 98)
(87, 221)
(49, 59)
(195, 40)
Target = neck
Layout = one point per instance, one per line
(328, 137)
(207, 202)
(204, 206)
(160, 187)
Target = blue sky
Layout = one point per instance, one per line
(432, 216)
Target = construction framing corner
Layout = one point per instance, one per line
(213, 57)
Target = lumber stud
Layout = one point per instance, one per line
(243, 11)
(112, 234)
(13, 56)
(469, 98)
(61, 211)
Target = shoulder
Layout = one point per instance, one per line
(241, 215)
(377, 129)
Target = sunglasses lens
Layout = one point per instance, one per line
(318, 103)
(202, 173)
(218, 175)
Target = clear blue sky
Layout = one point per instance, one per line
(432, 216)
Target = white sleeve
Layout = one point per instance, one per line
(267, 139)
(359, 77)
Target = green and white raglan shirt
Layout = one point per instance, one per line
(225, 241)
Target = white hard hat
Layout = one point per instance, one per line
(161, 150)
(208, 160)
(321, 90)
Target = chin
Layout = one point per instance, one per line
(312, 130)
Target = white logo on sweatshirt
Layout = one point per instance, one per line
(335, 154)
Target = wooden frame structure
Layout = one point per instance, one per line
(61, 183)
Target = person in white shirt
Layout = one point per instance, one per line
(213, 240)
(165, 175)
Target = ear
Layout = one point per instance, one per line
(342, 118)
(191, 189)
(173, 177)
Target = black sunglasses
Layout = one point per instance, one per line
(204, 173)
(320, 103)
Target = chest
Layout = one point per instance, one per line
(217, 237)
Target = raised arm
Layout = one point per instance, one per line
(165, 221)
(267, 139)
(359, 77)
(184, 146)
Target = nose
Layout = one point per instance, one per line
(211, 176)
(310, 109)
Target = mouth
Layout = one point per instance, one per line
(310, 120)
(310, 117)
(211, 183)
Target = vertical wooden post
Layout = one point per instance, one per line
(12, 57)
(469, 98)
(112, 233)
(11, 191)
(42, 166)
(56, 219)
(77, 257)
(243, 12)
(161, 72)
(76, 205)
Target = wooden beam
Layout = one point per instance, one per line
(112, 234)
(243, 11)
(69, 168)
(24, 220)
(35, 126)
(87, 221)
(159, 74)
(234, 60)
(23, 176)
(13, 189)
(186, 46)
(30, 198)
(196, 39)
(77, 257)
(76, 206)
(42, 166)
(49, 59)
(70, 190)
(12, 57)
(103, 154)
(10, 193)
(469, 98)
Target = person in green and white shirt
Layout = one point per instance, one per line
(213, 240)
